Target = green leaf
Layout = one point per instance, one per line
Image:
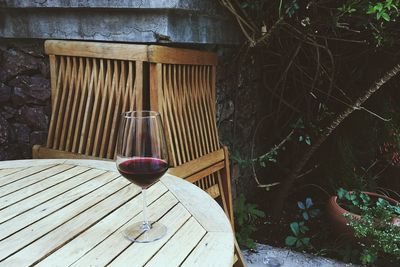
(301, 138)
(371, 10)
(386, 16)
(352, 196)
(365, 198)
(309, 202)
(367, 257)
(308, 140)
(294, 226)
(341, 193)
(259, 213)
(306, 216)
(290, 240)
(396, 209)
(306, 241)
(301, 205)
(250, 243)
(314, 213)
(382, 203)
(240, 220)
(304, 229)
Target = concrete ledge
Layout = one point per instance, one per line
(210, 7)
(176, 21)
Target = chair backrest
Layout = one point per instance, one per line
(182, 89)
(92, 84)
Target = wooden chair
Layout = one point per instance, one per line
(91, 85)
(182, 89)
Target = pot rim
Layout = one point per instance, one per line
(335, 197)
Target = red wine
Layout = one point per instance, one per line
(143, 171)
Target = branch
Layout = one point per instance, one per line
(288, 183)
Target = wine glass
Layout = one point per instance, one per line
(142, 158)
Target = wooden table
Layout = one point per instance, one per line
(73, 213)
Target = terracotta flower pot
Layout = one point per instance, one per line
(339, 222)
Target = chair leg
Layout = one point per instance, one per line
(35, 151)
(240, 262)
(226, 186)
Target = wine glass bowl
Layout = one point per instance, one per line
(142, 158)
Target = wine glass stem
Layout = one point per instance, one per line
(145, 226)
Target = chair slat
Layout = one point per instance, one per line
(75, 105)
(69, 103)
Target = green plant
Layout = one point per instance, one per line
(385, 10)
(353, 201)
(377, 17)
(245, 214)
(299, 237)
(377, 233)
(307, 210)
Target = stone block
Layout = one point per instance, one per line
(30, 89)
(16, 62)
(8, 112)
(4, 131)
(5, 93)
(38, 138)
(34, 117)
(21, 133)
(15, 151)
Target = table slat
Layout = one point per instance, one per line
(29, 163)
(194, 203)
(5, 172)
(139, 253)
(43, 185)
(208, 251)
(22, 174)
(32, 209)
(50, 242)
(186, 239)
(42, 227)
(32, 179)
(82, 244)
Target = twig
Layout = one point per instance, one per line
(268, 186)
(275, 148)
(340, 39)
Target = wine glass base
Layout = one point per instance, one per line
(139, 233)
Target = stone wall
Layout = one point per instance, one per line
(24, 97)
(238, 110)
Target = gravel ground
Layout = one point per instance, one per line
(279, 257)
